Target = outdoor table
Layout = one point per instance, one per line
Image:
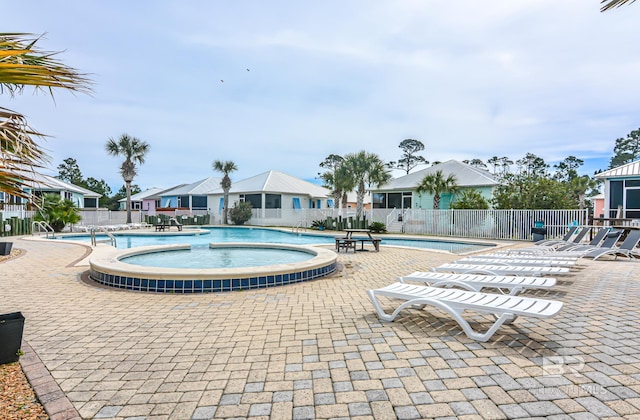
(349, 241)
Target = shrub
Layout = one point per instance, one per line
(319, 224)
(240, 212)
(57, 212)
(378, 227)
(470, 200)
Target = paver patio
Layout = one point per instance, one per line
(317, 350)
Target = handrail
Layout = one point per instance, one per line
(298, 226)
(391, 217)
(94, 241)
(41, 224)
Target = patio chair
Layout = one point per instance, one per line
(497, 270)
(174, 222)
(542, 261)
(476, 282)
(454, 301)
(626, 248)
(577, 251)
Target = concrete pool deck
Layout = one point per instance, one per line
(317, 349)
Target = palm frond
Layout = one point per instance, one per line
(22, 64)
(610, 4)
(19, 153)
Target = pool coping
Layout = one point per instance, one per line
(107, 269)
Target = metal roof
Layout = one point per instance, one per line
(628, 170)
(276, 182)
(466, 176)
(202, 187)
(148, 193)
(46, 182)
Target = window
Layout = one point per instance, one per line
(199, 202)
(379, 200)
(615, 196)
(254, 199)
(272, 201)
(395, 200)
(296, 203)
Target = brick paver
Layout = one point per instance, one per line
(317, 349)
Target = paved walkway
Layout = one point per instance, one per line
(317, 350)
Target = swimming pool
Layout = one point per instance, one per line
(129, 239)
(227, 257)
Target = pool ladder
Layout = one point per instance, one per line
(299, 226)
(94, 241)
(42, 226)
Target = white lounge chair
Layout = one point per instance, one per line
(497, 270)
(542, 262)
(454, 301)
(476, 282)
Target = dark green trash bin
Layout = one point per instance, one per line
(11, 327)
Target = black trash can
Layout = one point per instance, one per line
(5, 248)
(11, 327)
(538, 233)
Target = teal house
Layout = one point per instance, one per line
(400, 193)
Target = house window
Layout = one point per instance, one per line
(254, 199)
(199, 202)
(379, 200)
(272, 201)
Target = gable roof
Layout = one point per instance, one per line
(202, 187)
(148, 193)
(466, 176)
(276, 182)
(45, 182)
(628, 170)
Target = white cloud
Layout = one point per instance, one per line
(469, 79)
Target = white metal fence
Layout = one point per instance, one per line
(487, 224)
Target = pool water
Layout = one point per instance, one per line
(231, 234)
(205, 257)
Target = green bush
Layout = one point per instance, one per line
(57, 212)
(470, 200)
(240, 212)
(319, 224)
(378, 227)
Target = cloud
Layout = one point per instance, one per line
(469, 79)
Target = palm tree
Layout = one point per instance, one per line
(22, 64)
(133, 150)
(364, 170)
(610, 4)
(437, 184)
(580, 185)
(495, 162)
(336, 179)
(226, 168)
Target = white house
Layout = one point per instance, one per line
(274, 190)
(45, 184)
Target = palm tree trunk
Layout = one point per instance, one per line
(128, 188)
(225, 209)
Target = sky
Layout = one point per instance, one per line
(281, 85)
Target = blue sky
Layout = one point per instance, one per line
(281, 85)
